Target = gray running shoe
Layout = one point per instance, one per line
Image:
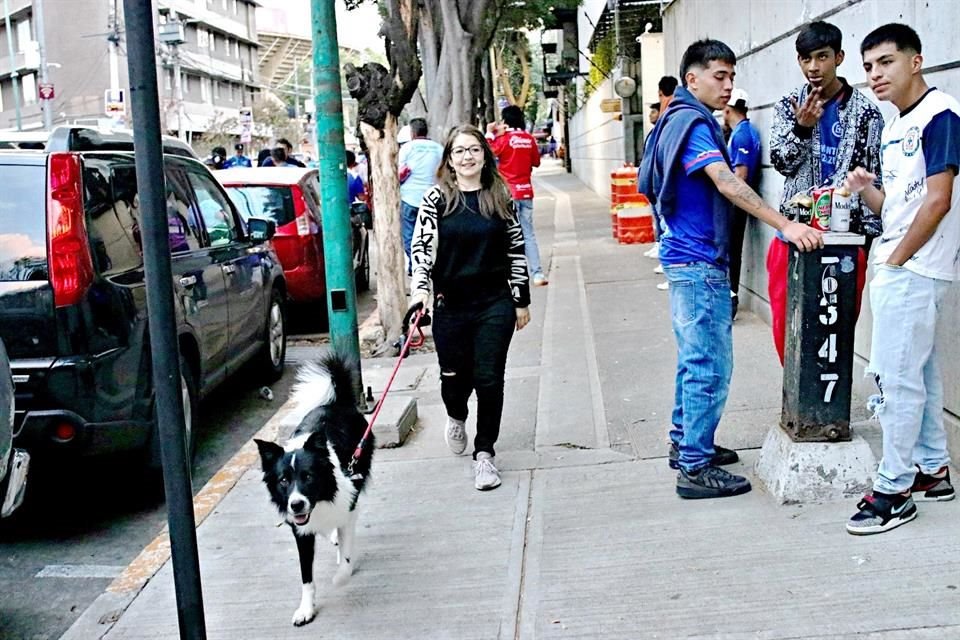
(881, 512)
(710, 482)
(455, 435)
(485, 474)
(927, 488)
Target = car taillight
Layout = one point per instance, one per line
(71, 266)
(300, 211)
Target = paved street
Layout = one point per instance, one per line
(586, 537)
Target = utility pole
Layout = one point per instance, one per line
(45, 106)
(148, 156)
(171, 34)
(337, 232)
(113, 40)
(14, 76)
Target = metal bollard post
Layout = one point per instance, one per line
(818, 358)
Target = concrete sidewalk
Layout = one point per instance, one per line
(586, 537)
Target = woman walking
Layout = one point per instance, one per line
(468, 245)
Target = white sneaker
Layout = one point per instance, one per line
(540, 280)
(485, 474)
(658, 268)
(653, 252)
(455, 435)
(663, 286)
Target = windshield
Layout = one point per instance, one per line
(275, 203)
(23, 222)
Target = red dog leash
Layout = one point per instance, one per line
(409, 342)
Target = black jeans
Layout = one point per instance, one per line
(472, 340)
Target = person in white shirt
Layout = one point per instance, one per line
(916, 260)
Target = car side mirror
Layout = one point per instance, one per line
(261, 229)
(360, 214)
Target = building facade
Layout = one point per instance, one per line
(83, 51)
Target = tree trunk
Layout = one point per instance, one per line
(391, 285)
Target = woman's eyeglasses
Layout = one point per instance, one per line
(458, 152)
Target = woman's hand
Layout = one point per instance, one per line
(523, 317)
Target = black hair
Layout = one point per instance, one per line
(905, 38)
(283, 142)
(219, 151)
(279, 154)
(513, 116)
(818, 35)
(238, 146)
(351, 158)
(667, 85)
(418, 128)
(702, 53)
(655, 105)
(263, 155)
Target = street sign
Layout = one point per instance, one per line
(246, 125)
(45, 90)
(113, 102)
(610, 105)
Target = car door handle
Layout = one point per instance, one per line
(229, 268)
(188, 281)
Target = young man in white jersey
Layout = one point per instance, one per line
(916, 259)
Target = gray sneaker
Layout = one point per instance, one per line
(455, 435)
(485, 474)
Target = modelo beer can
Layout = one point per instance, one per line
(842, 210)
(822, 206)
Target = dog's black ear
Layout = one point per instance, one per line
(316, 442)
(270, 453)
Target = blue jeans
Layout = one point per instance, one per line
(408, 218)
(525, 213)
(906, 310)
(700, 308)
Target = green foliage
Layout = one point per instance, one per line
(604, 58)
(533, 14)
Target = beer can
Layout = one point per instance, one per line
(841, 211)
(822, 206)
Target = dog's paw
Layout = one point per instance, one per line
(304, 615)
(342, 576)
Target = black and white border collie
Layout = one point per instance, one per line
(307, 478)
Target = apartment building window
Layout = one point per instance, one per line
(205, 89)
(213, 42)
(185, 83)
(29, 86)
(216, 90)
(24, 35)
(227, 46)
(236, 10)
(168, 80)
(203, 38)
(237, 49)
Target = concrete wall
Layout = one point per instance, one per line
(762, 33)
(596, 141)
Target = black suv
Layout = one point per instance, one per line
(73, 303)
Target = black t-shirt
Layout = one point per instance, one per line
(472, 262)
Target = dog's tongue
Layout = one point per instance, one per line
(301, 519)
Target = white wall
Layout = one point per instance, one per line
(762, 33)
(596, 141)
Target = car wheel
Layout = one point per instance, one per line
(189, 398)
(274, 350)
(363, 269)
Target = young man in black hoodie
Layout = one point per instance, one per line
(689, 159)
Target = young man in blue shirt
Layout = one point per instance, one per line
(688, 176)
(744, 150)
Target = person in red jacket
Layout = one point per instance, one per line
(517, 154)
